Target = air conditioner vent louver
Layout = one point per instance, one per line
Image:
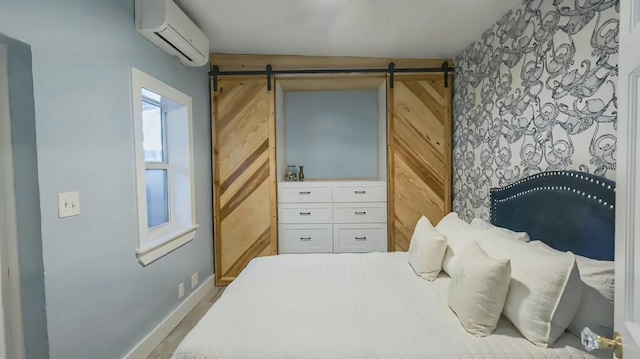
(175, 48)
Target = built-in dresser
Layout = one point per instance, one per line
(332, 217)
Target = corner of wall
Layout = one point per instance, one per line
(30, 261)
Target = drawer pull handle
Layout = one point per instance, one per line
(361, 238)
(305, 192)
(361, 212)
(305, 239)
(360, 192)
(305, 213)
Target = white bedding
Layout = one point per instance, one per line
(348, 306)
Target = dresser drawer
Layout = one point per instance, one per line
(304, 213)
(364, 212)
(360, 192)
(305, 238)
(304, 192)
(360, 237)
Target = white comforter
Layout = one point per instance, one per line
(347, 306)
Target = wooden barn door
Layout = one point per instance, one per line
(419, 155)
(244, 179)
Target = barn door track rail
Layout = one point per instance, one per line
(391, 70)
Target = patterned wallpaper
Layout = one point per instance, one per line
(535, 93)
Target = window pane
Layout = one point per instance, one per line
(153, 132)
(151, 95)
(157, 197)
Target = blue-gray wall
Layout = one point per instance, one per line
(99, 301)
(23, 133)
(333, 134)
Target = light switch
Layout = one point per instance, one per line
(68, 204)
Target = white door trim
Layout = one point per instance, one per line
(12, 337)
(627, 276)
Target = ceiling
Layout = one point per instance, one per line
(376, 28)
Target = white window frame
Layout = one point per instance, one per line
(156, 242)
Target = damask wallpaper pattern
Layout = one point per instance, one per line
(537, 92)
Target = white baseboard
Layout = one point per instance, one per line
(157, 335)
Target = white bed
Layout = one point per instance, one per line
(348, 306)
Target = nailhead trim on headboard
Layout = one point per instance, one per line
(557, 188)
(552, 173)
(551, 188)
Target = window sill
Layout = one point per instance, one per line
(163, 246)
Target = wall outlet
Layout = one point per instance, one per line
(180, 290)
(194, 280)
(68, 204)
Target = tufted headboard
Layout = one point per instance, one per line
(568, 210)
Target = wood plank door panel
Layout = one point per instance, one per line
(419, 154)
(244, 182)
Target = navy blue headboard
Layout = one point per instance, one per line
(568, 210)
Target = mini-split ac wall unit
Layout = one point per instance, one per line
(163, 23)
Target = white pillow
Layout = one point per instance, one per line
(426, 250)
(478, 290)
(505, 232)
(452, 222)
(545, 289)
(598, 286)
(459, 234)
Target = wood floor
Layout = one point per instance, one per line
(171, 342)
